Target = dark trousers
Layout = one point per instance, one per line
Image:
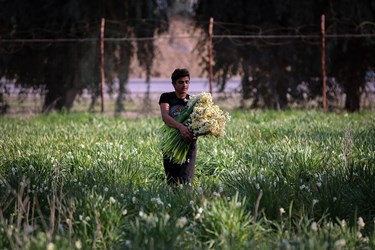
(184, 173)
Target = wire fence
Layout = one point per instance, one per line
(141, 97)
(31, 101)
(138, 102)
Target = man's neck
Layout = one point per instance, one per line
(181, 96)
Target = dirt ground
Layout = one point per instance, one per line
(174, 50)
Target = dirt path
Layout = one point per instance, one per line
(175, 52)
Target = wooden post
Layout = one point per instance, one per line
(324, 64)
(210, 54)
(102, 64)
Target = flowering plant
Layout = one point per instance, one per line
(202, 117)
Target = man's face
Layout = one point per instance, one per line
(181, 85)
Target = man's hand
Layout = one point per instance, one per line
(186, 133)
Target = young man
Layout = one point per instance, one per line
(171, 105)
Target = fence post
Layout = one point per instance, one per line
(324, 64)
(210, 54)
(102, 64)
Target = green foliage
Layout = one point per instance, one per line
(64, 69)
(223, 224)
(294, 179)
(272, 65)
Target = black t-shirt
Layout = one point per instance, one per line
(176, 105)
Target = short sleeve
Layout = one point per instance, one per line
(164, 98)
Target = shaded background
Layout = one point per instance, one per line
(265, 55)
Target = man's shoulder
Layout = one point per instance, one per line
(169, 94)
(166, 97)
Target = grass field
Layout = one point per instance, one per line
(277, 180)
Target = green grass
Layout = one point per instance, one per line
(277, 180)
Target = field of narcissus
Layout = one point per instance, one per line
(276, 180)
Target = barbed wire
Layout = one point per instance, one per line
(121, 39)
(254, 32)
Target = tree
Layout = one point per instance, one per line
(271, 66)
(268, 66)
(64, 69)
(352, 57)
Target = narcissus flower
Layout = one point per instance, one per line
(202, 117)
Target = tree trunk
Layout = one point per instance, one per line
(59, 95)
(245, 84)
(4, 106)
(119, 108)
(70, 96)
(352, 101)
(53, 99)
(123, 80)
(147, 99)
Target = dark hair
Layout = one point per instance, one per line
(178, 73)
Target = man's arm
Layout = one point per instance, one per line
(184, 131)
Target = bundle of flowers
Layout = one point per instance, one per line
(202, 117)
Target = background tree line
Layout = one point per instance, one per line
(64, 69)
(272, 67)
